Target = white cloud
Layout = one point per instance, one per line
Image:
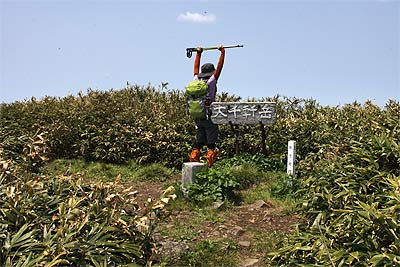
(197, 17)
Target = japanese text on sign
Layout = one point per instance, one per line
(243, 112)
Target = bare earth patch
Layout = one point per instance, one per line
(252, 227)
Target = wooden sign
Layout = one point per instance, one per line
(243, 112)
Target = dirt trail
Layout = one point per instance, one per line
(249, 226)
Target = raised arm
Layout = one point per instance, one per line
(220, 62)
(197, 61)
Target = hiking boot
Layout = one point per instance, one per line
(211, 157)
(194, 155)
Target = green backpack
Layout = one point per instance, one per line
(196, 96)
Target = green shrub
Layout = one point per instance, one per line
(213, 185)
(61, 220)
(348, 159)
(350, 191)
(151, 126)
(220, 182)
(246, 175)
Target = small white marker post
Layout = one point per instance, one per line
(189, 170)
(291, 160)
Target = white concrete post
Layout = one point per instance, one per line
(189, 170)
(291, 159)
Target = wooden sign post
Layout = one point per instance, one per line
(242, 113)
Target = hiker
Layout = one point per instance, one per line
(206, 130)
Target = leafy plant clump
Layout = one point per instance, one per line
(49, 221)
(213, 185)
(241, 172)
(151, 125)
(108, 126)
(348, 157)
(351, 196)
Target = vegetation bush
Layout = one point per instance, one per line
(64, 221)
(225, 180)
(216, 184)
(348, 171)
(351, 194)
(147, 125)
(139, 123)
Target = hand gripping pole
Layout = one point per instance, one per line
(190, 50)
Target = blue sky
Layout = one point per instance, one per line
(333, 51)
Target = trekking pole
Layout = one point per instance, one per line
(190, 50)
